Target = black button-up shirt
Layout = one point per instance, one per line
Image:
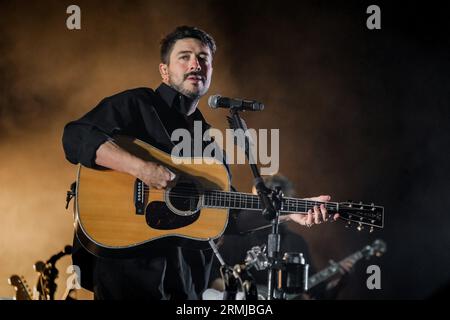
(151, 116)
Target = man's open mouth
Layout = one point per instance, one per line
(195, 78)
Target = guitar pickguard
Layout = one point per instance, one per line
(159, 216)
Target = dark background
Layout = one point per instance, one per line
(363, 115)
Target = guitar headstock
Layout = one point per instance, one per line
(377, 248)
(362, 214)
(21, 287)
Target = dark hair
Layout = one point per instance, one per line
(281, 181)
(183, 32)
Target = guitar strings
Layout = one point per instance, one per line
(289, 203)
(220, 193)
(253, 200)
(287, 207)
(217, 197)
(224, 194)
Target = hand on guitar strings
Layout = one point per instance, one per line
(317, 215)
(155, 175)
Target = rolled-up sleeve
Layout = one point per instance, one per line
(82, 138)
(80, 143)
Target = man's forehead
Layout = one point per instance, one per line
(190, 45)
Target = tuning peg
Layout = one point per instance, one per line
(360, 227)
(371, 229)
(349, 223)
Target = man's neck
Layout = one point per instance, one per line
(189, 105)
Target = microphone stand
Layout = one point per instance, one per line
(271, 204)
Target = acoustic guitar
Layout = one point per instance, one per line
(118, 215)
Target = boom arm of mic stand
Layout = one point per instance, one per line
(268, 209)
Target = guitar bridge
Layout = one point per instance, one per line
(140, 196)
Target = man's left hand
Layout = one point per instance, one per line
(315, 216)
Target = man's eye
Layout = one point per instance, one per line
(184, 57)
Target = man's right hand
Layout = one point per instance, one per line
(112, 156)
(154, 175)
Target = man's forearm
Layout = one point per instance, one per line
(111, 156)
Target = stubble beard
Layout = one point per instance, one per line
(194, 95)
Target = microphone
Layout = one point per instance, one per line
(217, 101)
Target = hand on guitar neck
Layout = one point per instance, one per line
(317, 215)
(345, 269)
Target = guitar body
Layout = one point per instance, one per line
(117, 215)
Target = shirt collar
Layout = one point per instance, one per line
(173, 98)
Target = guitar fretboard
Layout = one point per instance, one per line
(239, 200)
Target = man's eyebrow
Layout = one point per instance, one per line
(183, 52)
(189, 51)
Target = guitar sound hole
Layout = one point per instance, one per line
(184, 197)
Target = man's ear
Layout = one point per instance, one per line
(164, 71)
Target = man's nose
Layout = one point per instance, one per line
(195, 65)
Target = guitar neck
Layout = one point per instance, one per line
(332, 270)
(249, 201)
